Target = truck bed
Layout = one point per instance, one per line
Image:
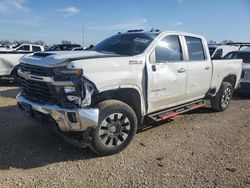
(224, 68)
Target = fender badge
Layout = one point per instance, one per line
(135, 62)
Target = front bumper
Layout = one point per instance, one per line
(79, 119)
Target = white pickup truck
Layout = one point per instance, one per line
(99, 98)
(9, 58)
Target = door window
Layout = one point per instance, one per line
(168, 50)
(195, 49)
(24, 48)
(36, 48)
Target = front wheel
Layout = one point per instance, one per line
(116, 128)
(222, 99)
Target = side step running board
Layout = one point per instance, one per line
(171, 112)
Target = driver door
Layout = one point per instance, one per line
(167, 74)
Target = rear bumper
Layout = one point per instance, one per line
(79, 119)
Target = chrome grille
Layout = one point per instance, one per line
(39, 91)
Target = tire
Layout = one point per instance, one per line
(222, 99)
(116, 128)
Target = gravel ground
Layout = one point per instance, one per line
(199, 149)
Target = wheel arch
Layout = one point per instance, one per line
(231, 78)
(128, 95)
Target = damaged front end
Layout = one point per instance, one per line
(61, 93)
(81, 90)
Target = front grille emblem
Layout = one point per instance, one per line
(26, 75)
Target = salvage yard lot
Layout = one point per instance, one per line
(199, 149)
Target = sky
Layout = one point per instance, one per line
(55, 20)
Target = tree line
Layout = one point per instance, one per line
(38, 42)
(42, 43)
(222, 42)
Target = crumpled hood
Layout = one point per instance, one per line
(58, 59)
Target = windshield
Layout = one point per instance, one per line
(53, 48)
(126, 44)
(16, 46)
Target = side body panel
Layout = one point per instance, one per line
(166, 86)
(199, 73)
(224, 68)
(114, 73)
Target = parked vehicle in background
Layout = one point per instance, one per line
(246, 48)
(222, 50)
(24, 48)
(99, 98)
(9, 58)
(65, 47)
(212, 48)
(2, 47)
(244, 87)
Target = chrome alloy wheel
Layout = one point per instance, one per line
(226, 97)
(114, 130)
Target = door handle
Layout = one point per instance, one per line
(208, 68)
(181, 70)
(153, 68)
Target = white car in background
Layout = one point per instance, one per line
(244, 87)
(222, 50)
(24, 48)
(9, 58)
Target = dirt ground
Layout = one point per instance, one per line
(199, 149)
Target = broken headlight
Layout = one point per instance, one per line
(72, 95)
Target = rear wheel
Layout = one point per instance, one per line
(116, 129)
(222, 99)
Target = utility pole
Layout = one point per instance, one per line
(83, 36)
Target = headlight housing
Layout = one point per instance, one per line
(72, 95)
(66, 71)
(69, 90)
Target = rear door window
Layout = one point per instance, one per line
(195, 49)
(36, 48)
